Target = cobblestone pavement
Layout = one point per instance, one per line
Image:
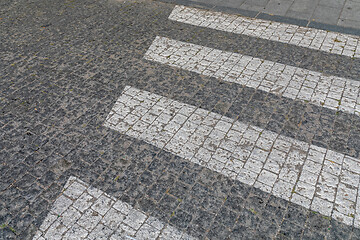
(334, 14)
(149, 120)
(329, 91)
(287, 33)
(86, 212)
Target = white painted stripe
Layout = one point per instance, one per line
(338, 43)
(296, 83)
(313, 177)
(86, 212)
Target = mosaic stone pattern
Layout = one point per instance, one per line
(84, 212)
(313, 177)
(317, 39)
(296, 83)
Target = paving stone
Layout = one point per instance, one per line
(283, 80)
(350, 9)
(332, 3)
(218, 154)
(64, 65)
(291, 34)
(322, 13)
(120, 217)
(278, 7)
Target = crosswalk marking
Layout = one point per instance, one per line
(337, 43)
(290, 169)
(86, 212)
(296, 83)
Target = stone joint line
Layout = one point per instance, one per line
(313, 177)
(84, 212)
(337, 43)
(332, 92)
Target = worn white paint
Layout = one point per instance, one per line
(332, 42)
(296, 83)
(313, 177)
(84, 212)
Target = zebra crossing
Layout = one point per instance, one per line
(82, 209)
(263, 166)
(311, 176)
(282, 166)
(292, 82)
(317, 39)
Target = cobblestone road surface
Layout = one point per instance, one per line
(149, 120)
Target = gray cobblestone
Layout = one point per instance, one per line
(291, 82)
(306, 37)
(217, 154)
(125, 220)
(63, 66)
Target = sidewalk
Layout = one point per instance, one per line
(344, 13)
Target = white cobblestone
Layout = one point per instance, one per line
(84, 202)
(75, 232)
(120, 220)
(293, 170)
(337, 43)
(296, 83)
(322, 206)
